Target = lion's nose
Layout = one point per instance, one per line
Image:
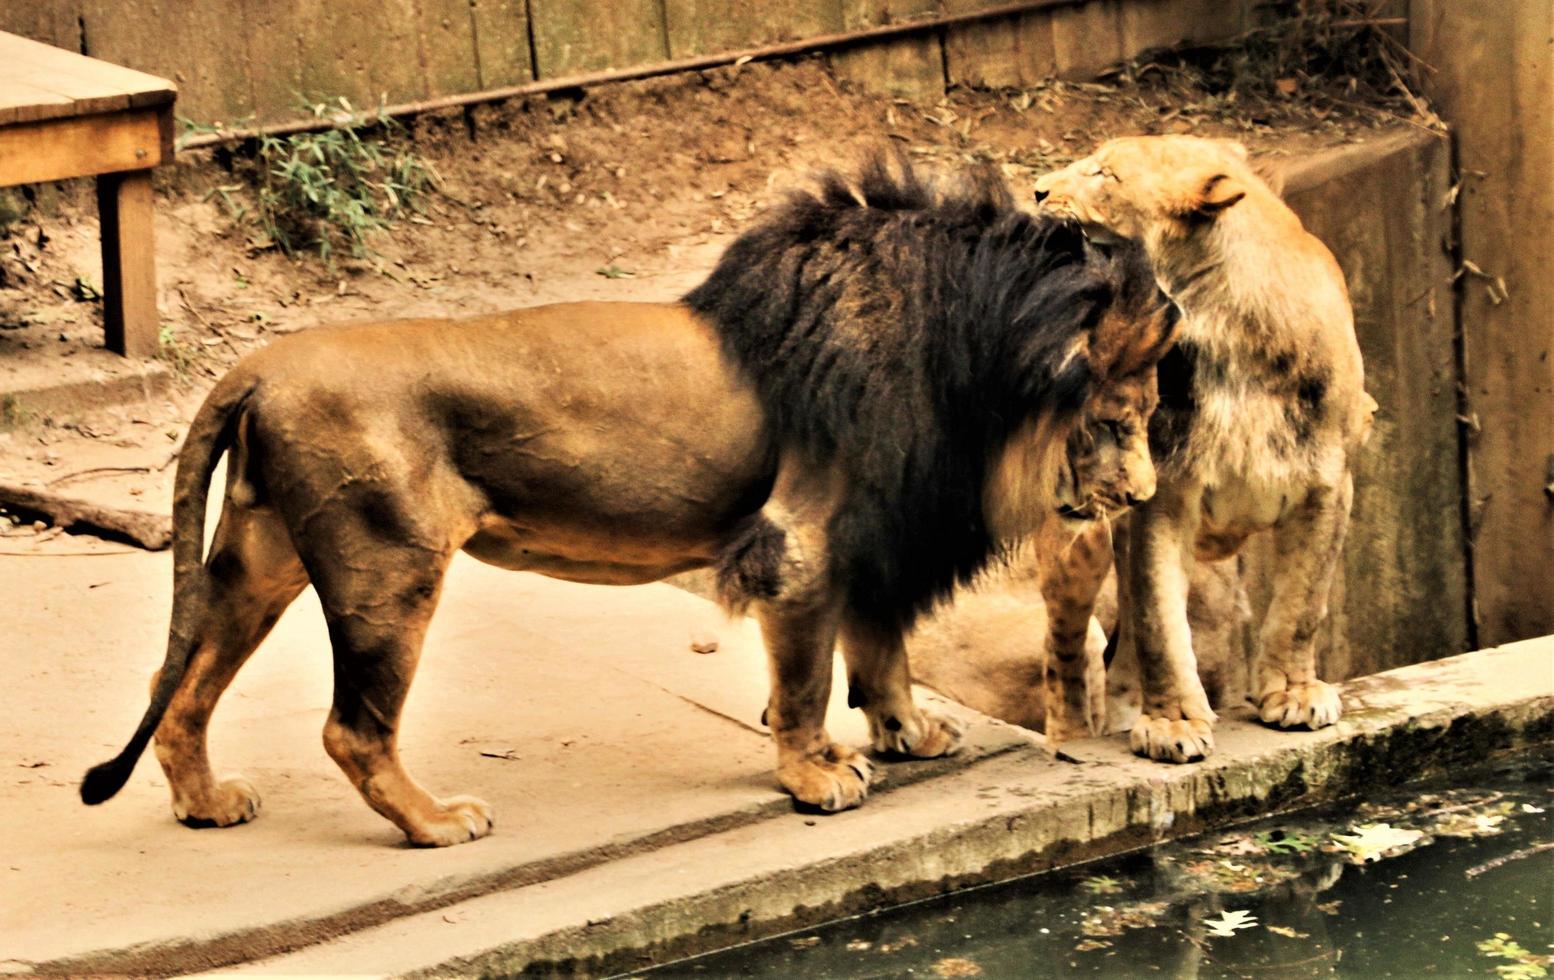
(1041, 195)
(1134, 499)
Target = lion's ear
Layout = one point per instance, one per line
(1206, 195)
(1219, 192)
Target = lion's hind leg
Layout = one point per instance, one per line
(378, 600)
(1308, 544)
(879, 681)
(251, 576)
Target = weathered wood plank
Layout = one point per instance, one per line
(570, 38)
(124, 207)
(1010, 52)
(1147, 24)
(502, 42)
(58, 149)
(1494, 74)
(23, 102)
(703, 26)
(182, 42)
(1086, 38)
(53, 22)
(909, 67)
(447, 38)
(40, 81)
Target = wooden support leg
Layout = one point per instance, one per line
(130, 321)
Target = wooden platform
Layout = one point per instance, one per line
(63, 115)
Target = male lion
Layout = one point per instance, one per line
(875, 385)
(1262, 408)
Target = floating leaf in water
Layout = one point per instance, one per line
(1285, 841)
(956, 966)
(1100, 885)
(1227, 923)
(1106, 920)
(1524, 965)
(1092, 944)
(1288, 932)
(1372, 841)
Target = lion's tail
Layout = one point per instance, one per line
(210, 434)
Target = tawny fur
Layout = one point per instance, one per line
(825, 421)
(1262, 410)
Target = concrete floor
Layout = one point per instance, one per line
(637, 815)
(580, 712)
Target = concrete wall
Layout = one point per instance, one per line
(1494, 83)
(235, 59)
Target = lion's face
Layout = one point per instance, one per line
(1133, 186)
(1107, 467)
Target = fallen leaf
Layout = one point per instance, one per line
(1229, 922)
(804, 942)
(1372, 841)
(1287, 931)
(956, 966)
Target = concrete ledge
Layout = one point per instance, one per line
(1009, 814)
(88, 379)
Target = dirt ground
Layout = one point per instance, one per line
(627, 192)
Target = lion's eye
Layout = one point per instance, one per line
(1109, 174)
(1116, 428)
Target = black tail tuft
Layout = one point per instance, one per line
(102, 781)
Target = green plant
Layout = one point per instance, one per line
(181, 356)
(328, 191)
(14, 414)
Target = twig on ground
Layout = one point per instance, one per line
(171, 457)
(1494, 863)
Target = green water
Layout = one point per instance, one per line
(1444, 868)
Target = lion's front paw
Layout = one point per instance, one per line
(836, 779)
(1314, 705)
(1172, 739)
(457, 820)
(1059, 728)
(235, 801)
(923, 735)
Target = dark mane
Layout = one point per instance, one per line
(905, 331)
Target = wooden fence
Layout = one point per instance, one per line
(237, 60)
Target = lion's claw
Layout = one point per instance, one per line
(1172, 739)
(459, 819)
(836, 779)
(236, 801)
(1313, 705)
(925, 736)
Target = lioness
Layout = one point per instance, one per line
(875, 386)
(1262, 408)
